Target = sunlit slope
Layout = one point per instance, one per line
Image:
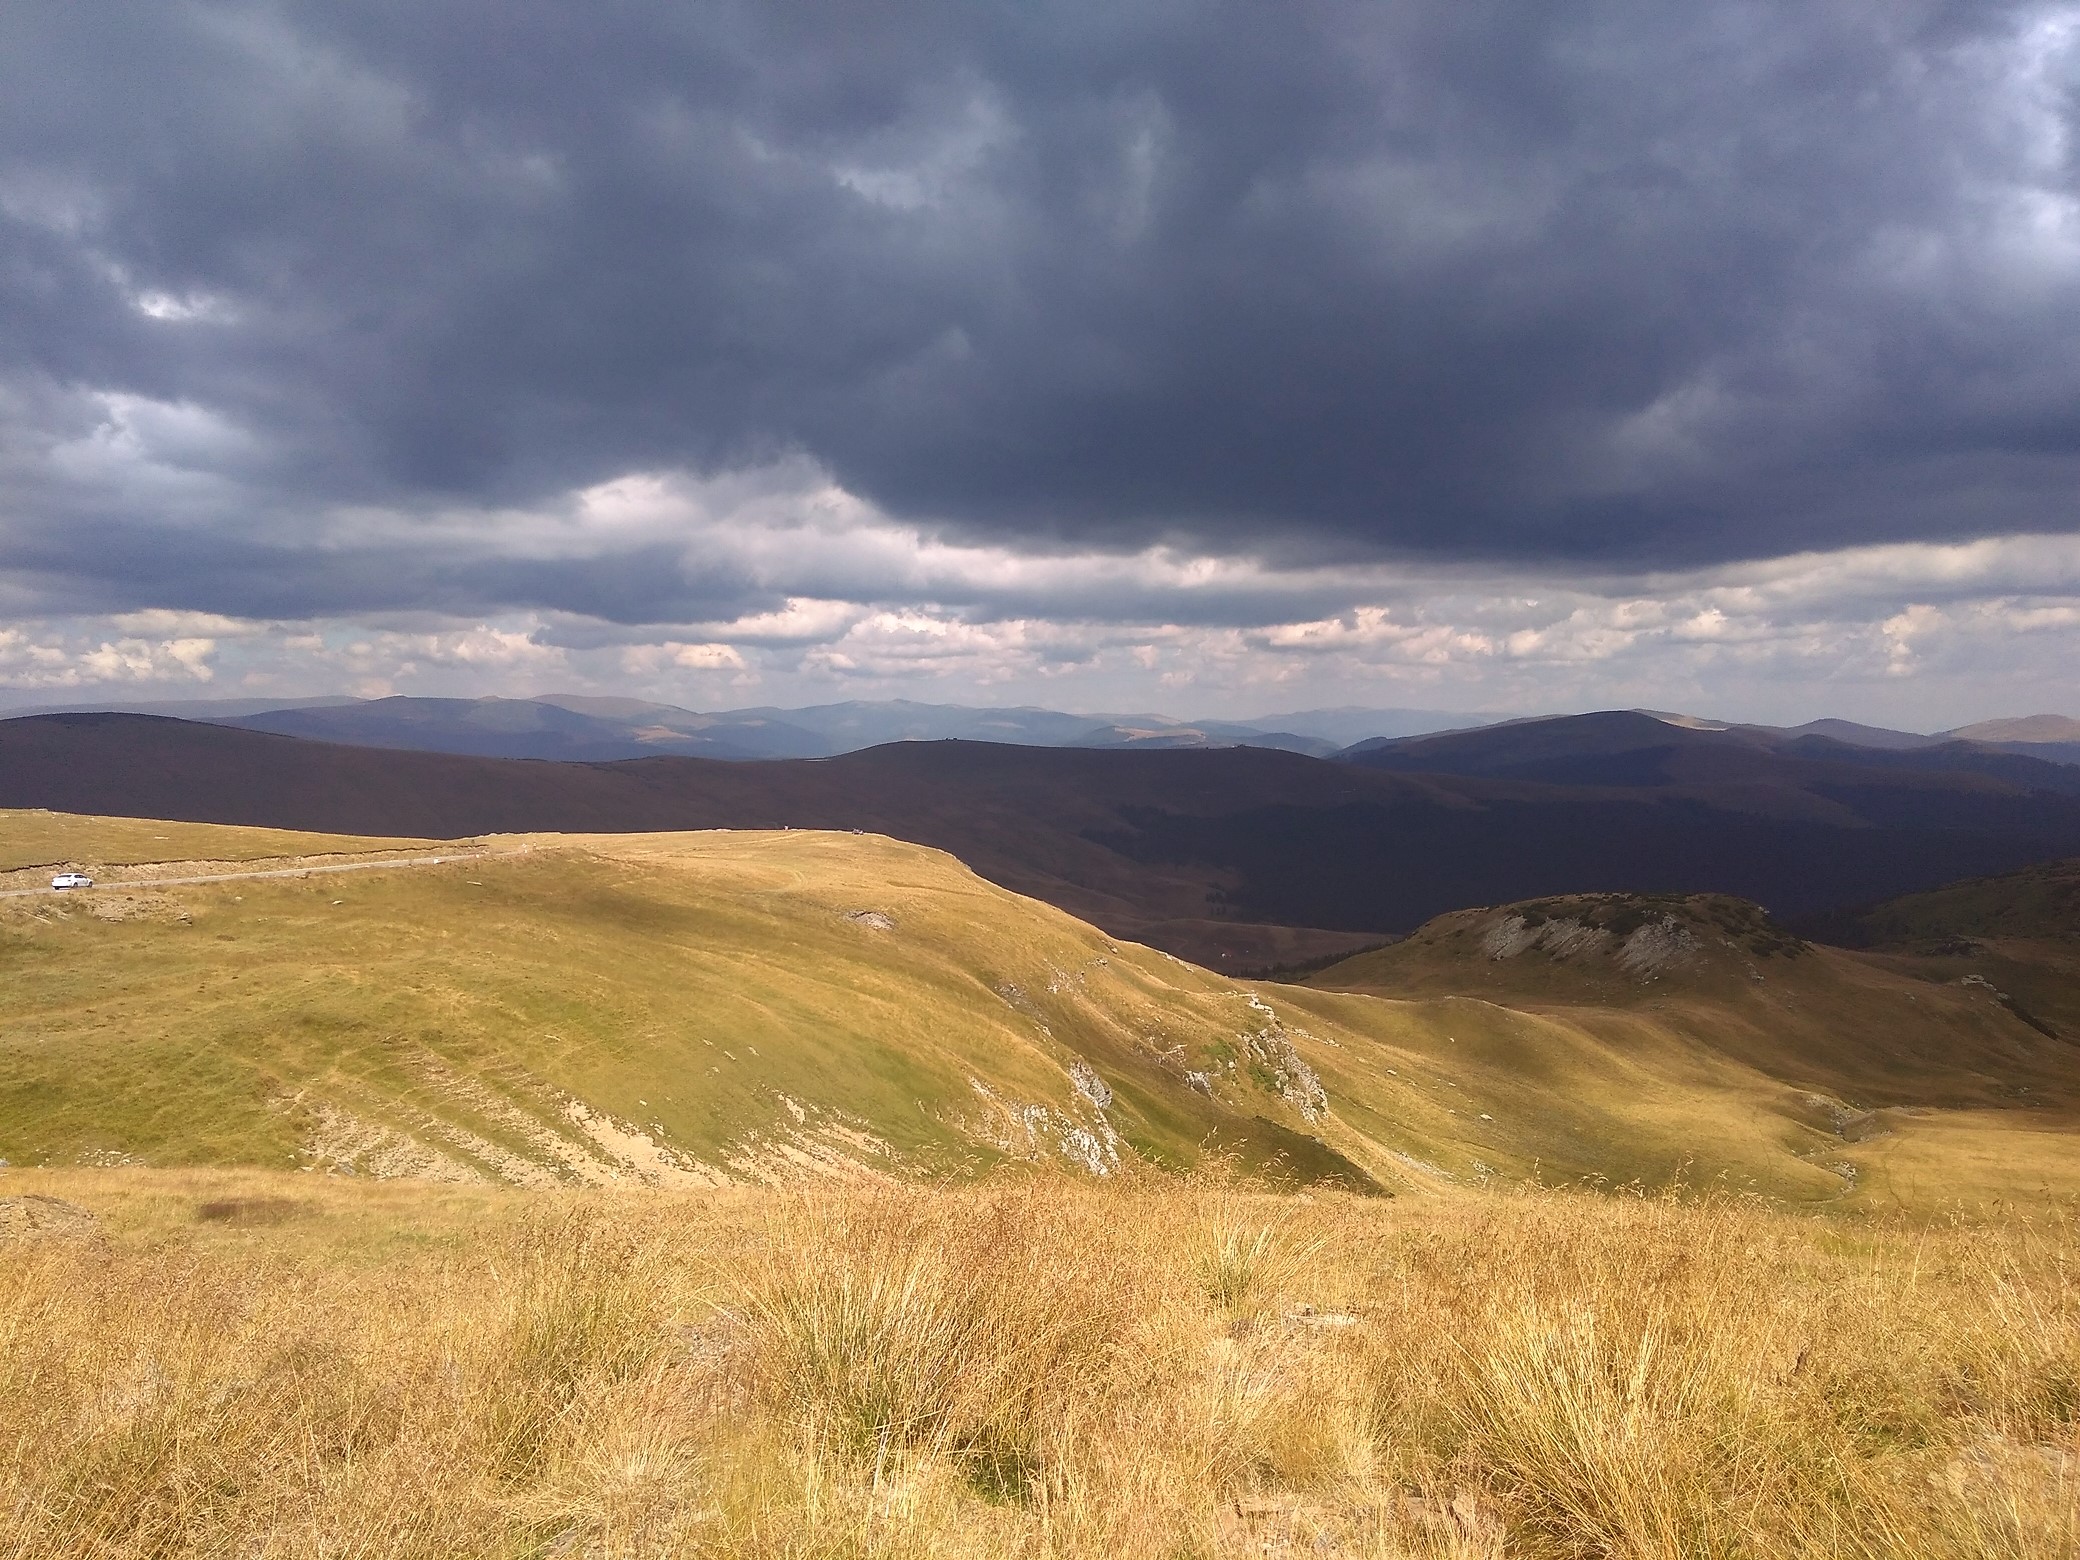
(1904, 1089)
(701, 1007)
(665, 1007)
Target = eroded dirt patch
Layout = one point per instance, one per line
(33, 1216)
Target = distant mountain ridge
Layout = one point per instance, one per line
(602, 728)
(1647, 747)
(598, 728)
(2032, 729)
(573, 729)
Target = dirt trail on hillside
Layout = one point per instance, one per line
(167, 874)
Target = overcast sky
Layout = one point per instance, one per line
(1201, 357)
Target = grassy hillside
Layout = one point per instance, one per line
(677, 1008)
(1913, 1088)
(2015, 938)
(33, 839)
(708, 1007)
(2040, 903)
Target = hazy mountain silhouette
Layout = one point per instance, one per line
(597, 728)
(1633, 748)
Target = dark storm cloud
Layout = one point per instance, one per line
(112, 568)
(1616, 282)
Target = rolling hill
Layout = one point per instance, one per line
(2016, 936)
(684, 1008)
(1927, 1082)
(2040, 903)
(702, 1008)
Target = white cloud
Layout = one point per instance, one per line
(181, 308)
(842, 601)
(162, 621)
(35, 661)
(649, 660)
(800, 622)
(485, 647)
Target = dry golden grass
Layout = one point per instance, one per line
(256, 1365)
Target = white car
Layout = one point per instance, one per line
(72, 880)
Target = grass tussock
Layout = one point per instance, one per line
(1039, 1369)
(1247, 1263)
(999, 1330)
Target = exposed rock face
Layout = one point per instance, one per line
(1034, 1131)
(1277, 1064)
(1088, 1083)
(1658, 945)
(1643, 938)
(1562, 938)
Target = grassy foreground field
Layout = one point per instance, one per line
(268, 1364)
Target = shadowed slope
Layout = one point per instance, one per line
(2016, 936)
(1745, 766)
(2041, 902)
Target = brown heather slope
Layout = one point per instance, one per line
(1929, 1084)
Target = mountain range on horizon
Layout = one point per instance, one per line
(604, 728)
(1235, 856)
